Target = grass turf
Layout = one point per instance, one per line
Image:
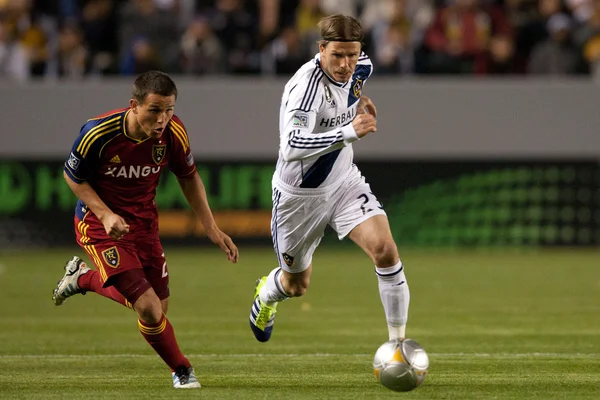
(497, 325)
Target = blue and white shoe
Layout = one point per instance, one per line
(185, 378)
(262, 317)
(68, 286)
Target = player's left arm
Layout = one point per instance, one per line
(366, 106)
(195, 193)
(183, 166)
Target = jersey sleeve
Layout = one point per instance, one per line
(181, 160)
(297, 140)
(85, 153)
(364, 66)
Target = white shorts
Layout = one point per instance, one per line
(298, 221)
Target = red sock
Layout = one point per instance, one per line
(92, 282)
(161, 337)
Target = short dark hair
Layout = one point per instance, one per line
(340, 28)
(156, 82)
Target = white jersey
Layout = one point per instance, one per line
(315, 128)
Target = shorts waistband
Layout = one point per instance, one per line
(298, 191)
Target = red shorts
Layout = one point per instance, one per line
(140, 248)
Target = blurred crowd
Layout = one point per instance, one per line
(81, 38)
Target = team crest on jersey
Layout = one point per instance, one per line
(158, 152)
(300, 120)
(329, 97)
(357, 87)
(289, 260)
(111, 256)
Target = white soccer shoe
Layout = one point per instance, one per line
(68, 286)
(185, 378)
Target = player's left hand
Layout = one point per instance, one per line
(219, 238)
(366, 106)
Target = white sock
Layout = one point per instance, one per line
(395, 297)
(273, 291)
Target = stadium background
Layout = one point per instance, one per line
(486, 160)
(507, 158)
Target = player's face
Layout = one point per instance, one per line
(153, 114)
(339, 59)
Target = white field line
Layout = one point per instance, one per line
(314, 355)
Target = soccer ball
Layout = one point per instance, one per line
(401, 365)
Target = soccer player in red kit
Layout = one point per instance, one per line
(114, 169)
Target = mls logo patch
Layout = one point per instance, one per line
(111, 256)
(289, 260)
(158, 152)
(357, 87)
(73, 161)
(189, 160)
(300, 120)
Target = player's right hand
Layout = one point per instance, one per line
(364, 124)
(115, 226)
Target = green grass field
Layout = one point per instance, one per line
(496, 325)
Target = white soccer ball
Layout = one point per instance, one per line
(401, 365)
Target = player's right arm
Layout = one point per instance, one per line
(297, 139)
(114, 225)
(78, 167)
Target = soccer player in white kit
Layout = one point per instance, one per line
(316, 183)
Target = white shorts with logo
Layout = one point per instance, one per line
(298, 221)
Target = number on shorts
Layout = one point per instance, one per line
(365, 198)
(164, 269)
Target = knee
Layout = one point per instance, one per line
(385, 254)
(296, 287)
(149, 308)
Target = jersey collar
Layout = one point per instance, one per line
(126, 134)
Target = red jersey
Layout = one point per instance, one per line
(125, 171)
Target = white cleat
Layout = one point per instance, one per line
(68, 286)
(185, 378)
